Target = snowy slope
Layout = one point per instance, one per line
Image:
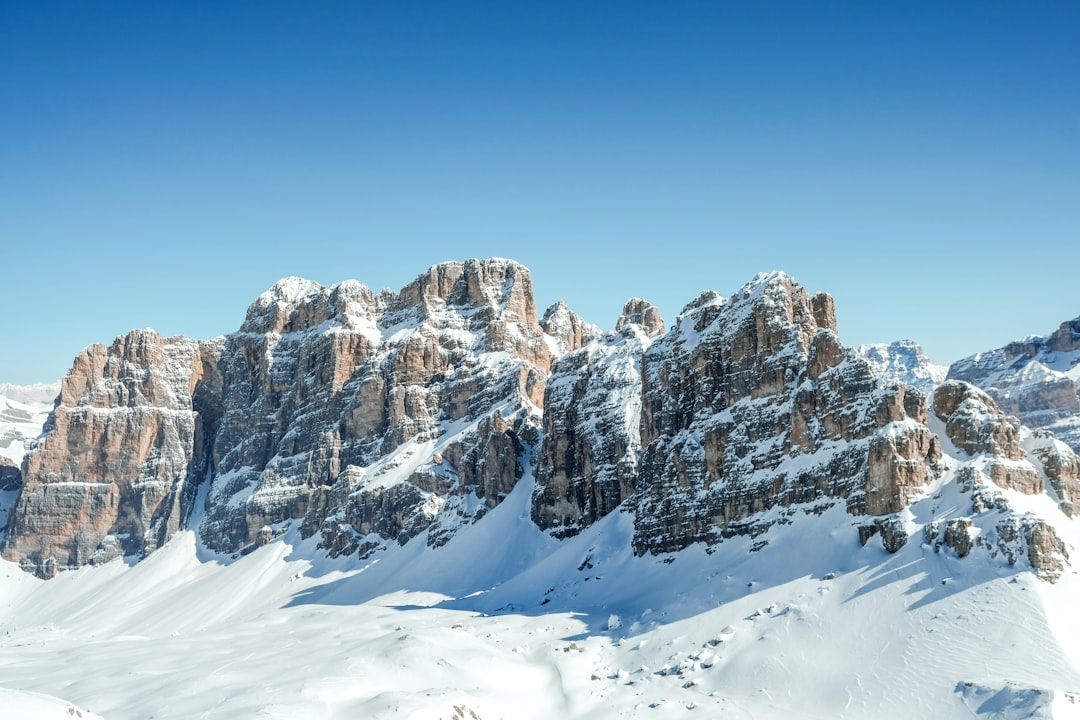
(812, 625)
(23, 410)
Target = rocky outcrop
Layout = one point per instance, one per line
(1061, 466)
(566, 330)
(977, 426)
(904, 362)
(589, 458)
(1036, 379)
(365, 417)
(118, 471)
(753, 403)
(335, 397)
(643, 314)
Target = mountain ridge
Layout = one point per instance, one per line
(525, 516)
(370, 418)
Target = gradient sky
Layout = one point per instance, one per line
(162, 163)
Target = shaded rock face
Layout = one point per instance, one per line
(335, 396)
(752, 403)
(589, 457)
(328, 407)
(118, 472)
(1036, 379)
(10, 475)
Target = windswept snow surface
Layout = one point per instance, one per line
(504, 622)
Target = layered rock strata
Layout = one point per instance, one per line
(126, 448)
(589, 458)
(336, 399)
(752, 403)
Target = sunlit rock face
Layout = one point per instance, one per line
(126, 449)
(751, 403)
(366, 416)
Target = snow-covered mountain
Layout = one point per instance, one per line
(1035, 378)
(903, 361)
(23, 411)
(430, 503)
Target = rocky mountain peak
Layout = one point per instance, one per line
(296, 305)
(568, 330)
(641, 312)
(488, 288)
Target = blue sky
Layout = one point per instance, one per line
(164, 163)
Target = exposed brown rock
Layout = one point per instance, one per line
(1046, 552)
(739, 387)
(567, 328)
(975, 423)
(899, 466)
(643, 314)
(824, 308)
(1030, 378)
(958, 536)
(317, 403)
(118, 473)
(1061, 466)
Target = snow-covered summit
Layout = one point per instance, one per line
(904, 361)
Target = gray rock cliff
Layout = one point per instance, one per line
(364, 419)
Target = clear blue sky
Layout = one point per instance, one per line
(162, 163)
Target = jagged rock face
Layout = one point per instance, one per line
(589, 457)
(117, 473)
(1036, 379)
(753, 403)
(1062, 468)
(975, 424)
(643, 314)
(323, 385)
(1046, 552)
(904, 362)
(367, 419)
(566, 329)
(10, 475)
